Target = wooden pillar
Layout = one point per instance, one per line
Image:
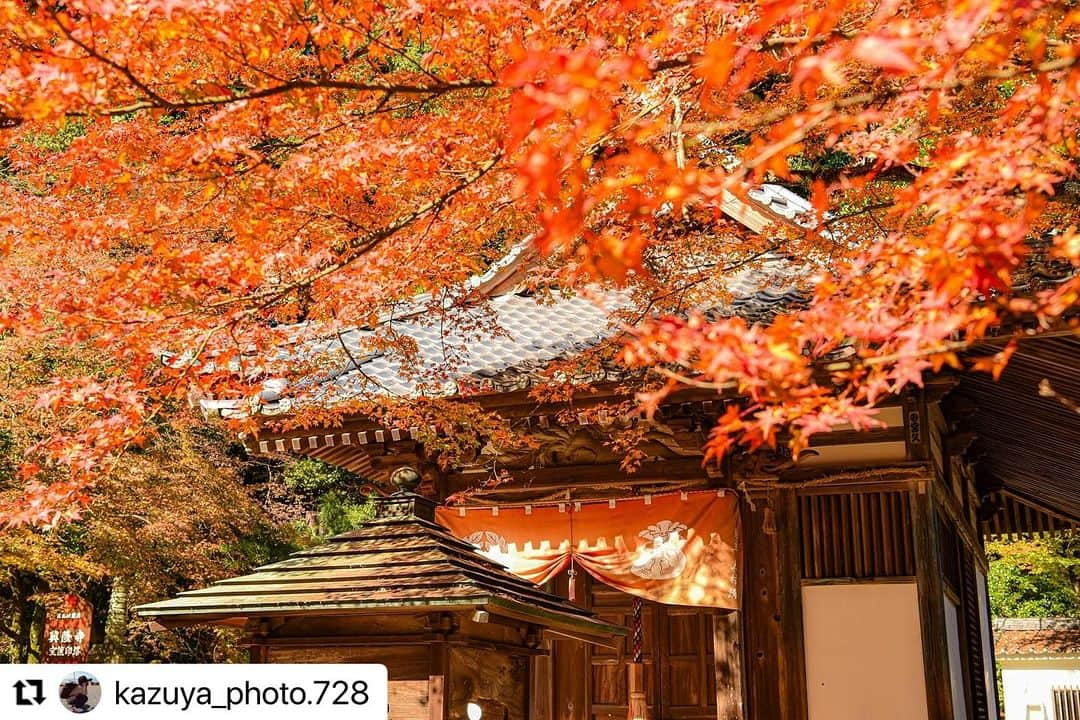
(437, 677)
(772, 609)
(637, 704)
(255, 634)
(257, 653)
(793, 651)
(727, 653)
(571, 662)
(931, 604)
(540, 685)
(761, 613)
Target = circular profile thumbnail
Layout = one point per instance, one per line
(80, 692)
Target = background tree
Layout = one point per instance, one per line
(1035, 578)
(172, 514)
(337, 495)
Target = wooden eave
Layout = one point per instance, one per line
(1027, 443)
(593, 631)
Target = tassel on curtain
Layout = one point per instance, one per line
(571, 574)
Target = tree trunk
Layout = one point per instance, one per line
(20, 619)
(23, 627)
(18, 631)
(36, 633)
(116, 621)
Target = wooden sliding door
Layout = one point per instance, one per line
(677, 654)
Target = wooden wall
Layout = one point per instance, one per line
(496, 681)
(920, 530)
(915, 524)
(699, 663)
(415, 686)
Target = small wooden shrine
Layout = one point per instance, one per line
(453, 628)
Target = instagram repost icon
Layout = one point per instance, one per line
(80, 692)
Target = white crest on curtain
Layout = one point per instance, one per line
(664, 559)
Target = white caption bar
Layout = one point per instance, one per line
(193, 692)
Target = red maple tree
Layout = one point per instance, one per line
(192, 186)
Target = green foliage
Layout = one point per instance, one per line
(265, 545)
(8, 456)
(410, 58)
(314, 477)
(187, 645)
(926, 145)
(73, 538)
(61, 139)
(338, 513)
(174, 514)
(1034, 578)
(828, 162)
(172, 116)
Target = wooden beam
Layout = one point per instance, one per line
(540, 685)
(438, 673)
(854, 437)
(520, 404)
(357, 640)
(577, 476)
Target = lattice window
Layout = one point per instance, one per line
(860, 535)
(1067, 703)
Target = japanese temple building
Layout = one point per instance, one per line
(847, 585)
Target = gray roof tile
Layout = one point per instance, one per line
(532, 333)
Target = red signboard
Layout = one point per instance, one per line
(68, 620)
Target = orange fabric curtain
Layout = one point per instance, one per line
(678, 549)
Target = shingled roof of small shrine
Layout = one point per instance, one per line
(402, 559)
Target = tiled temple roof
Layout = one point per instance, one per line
(455, 358)
(534, 331)
(1036, 636)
